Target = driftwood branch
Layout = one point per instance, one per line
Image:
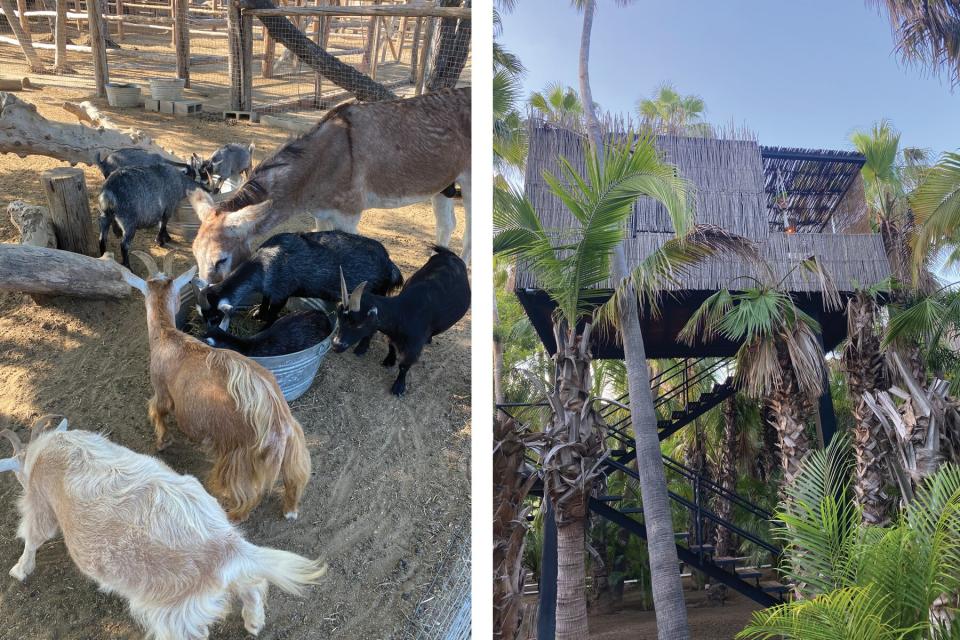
(40, 271)
(25, 132)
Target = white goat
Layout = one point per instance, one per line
(143, 531)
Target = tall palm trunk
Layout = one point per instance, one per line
(789, 408)
(668, 601)
(573, 442)
(727, 475)
(863, 366)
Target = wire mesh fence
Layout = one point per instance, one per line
(443, 612)
(294, 55)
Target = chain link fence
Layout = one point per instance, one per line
(443, 612)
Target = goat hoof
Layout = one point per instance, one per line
(388, 362)
(253, 628)
(398, 389)
(360, 351)
(291, 515)
(163, 444)
(18, 572)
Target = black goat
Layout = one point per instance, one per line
(432, 300)
(291, 333)
(133, 157)
(301, 264)
(139, 197)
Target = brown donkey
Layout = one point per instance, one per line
(359, 156)
(222, 399)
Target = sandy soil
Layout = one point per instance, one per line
(391, 476)
(707, 621)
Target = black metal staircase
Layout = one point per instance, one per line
(683, 393)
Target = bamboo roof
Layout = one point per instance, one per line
(731, 181)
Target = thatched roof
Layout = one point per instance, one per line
(731, 180)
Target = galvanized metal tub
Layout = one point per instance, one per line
(188, 298)
(184, 223)
(295, 371)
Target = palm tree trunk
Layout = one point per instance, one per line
(668, 601)
(497, 355)
(727, 475)
(571, 585)
(863, 368)
(788, 411)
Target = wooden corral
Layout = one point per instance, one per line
(735, 191)
(226, 55)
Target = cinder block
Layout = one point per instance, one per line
(151, 105)
(249, 116)
(187, 107)
(166, 106)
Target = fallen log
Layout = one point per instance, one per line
(25, 132)
(40, 271)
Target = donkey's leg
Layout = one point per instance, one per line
(446, 221)
(464, 180)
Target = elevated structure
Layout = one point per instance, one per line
(793, 203)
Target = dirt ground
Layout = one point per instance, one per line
(390, 484)
(707, 621)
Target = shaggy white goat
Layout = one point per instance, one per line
(143, 531)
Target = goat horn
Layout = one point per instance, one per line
(43, 424)
(355, 297)
(168, 263)
(14, 440)
(148, 261)
(344, 293)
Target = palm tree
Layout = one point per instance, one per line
(780, 358)
(670, 113)
(558, 104)
(570, 266)
(889, 174)
(865, 372)
(927, 33)
(667, 589)
(936, 204)
(870, 583)
(727, 474)
(509, 130)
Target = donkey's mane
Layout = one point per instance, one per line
(253, 191)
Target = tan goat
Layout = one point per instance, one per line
(143, 531)
(222, 399)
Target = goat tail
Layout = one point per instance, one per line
(254, 392)
(289, 571)
(108, 202)
(441, 250)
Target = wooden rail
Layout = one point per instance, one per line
(402, 11)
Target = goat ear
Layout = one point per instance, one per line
(10, 464)
(245, 221)
(183, 279)
(202, 204)
(354, 303)
(133, 280)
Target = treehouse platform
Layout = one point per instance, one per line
(793, 203)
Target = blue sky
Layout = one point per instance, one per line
(801, 74)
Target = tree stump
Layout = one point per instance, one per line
(66, 194)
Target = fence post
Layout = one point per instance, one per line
(425, 52)
(246, 69)
(98, 46)
(181, 38)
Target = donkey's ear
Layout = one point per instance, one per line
(202, 204)
(246, 221)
